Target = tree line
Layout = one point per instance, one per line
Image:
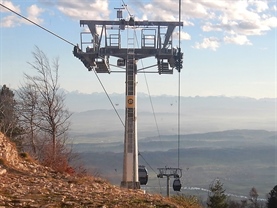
(218, 199)
(35, 117)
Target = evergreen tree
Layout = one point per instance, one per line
(217, 198)
(272, 198)
(8, 115)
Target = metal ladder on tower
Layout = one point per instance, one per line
(131, 83)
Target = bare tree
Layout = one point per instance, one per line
(47, 111)
(28, 116)
(253, 198)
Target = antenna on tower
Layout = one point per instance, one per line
(119, 16)
(119, 12)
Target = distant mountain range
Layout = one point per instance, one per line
(95, 118)
(78, 102)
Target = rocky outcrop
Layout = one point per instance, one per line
(28, 184)
(8, 151)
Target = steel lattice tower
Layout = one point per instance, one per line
(155, 41)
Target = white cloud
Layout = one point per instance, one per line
(229, 19)
(168, 10)
(260, 5)
(210, 27)
(184, 35)
(271, 22)
(159, 12)
(211, 4)
(85, 9)
(233, 19)
(195, 9)
(240, 18)
(208, 43)
(10, 5)
(34, 12)
(11, 20)
(237, 39)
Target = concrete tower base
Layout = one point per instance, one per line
(130, 185)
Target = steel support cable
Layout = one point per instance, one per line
(152, 106)
(150, 97)
(179, 86)
(147, 163)
(275, 95)
(125, 6)
(152, 170)
(37, 25)
(108, 97)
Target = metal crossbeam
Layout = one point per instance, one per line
(144, 23)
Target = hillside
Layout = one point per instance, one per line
(24, 183)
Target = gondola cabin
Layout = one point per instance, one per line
(143, 175)
(177, 184)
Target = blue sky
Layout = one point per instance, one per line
(229, 46)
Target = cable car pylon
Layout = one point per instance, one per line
(176, 173)
(105, 41)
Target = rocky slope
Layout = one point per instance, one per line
(24, 183)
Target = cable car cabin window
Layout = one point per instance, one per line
(143, 175)
(177, 184)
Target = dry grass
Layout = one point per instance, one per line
(186, 201)
(27, 157)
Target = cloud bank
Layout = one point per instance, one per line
(218, 22)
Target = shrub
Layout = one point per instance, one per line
(186, 201)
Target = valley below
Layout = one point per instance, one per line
(232, 139)
(241, 159)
